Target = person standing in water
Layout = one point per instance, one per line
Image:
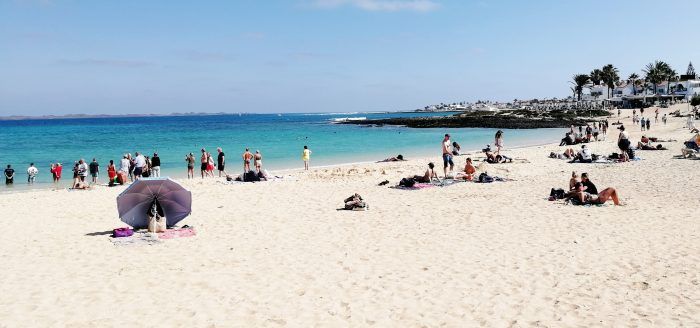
(31, 173)
(9, 175)
(190, 165)
(306, 157)
(204, 162)
(257, 161)
(247, 156)
(221, 161)
(155, 166)
(94, 170)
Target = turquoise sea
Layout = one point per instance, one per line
(279, 137)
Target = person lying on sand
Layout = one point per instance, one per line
(469, 171)
(568, 153)
(645, 144)
(581, 197)
(428, 176)
(80, 185)
(398, 158)
(491, 158)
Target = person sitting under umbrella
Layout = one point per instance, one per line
(156, 217)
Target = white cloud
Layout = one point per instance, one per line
(380, 5)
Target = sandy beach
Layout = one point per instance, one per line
(279, 253)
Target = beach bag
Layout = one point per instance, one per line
(156, 223)
(407, 182)
(122, 232)
(557, 193)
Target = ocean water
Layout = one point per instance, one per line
(279, 137)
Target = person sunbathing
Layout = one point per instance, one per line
(398, 158)
(581, 197)
(428, 176)
(568, 153)
(469, 171)
(491, 158)
(573, 181)
(80, 185)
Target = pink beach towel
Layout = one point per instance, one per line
(422, 185)
(177, 233)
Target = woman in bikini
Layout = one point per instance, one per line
(580, 197)
(469, 171)
(428, 176)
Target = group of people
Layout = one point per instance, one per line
(592, 132)
(131, 168)
(584, 192)
(208, 165)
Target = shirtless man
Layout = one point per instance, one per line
(447, 154)
(204, 162)
(247, 156)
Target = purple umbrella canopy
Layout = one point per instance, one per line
(134, 202)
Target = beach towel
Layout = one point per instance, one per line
(140, 238)
(416, 186)
(177, 233)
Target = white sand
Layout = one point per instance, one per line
(279, 254)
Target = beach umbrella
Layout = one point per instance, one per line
(134, 202)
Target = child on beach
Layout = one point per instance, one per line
(306, 157)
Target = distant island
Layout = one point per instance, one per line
(502, 119)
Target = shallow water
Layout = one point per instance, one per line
(279, 137)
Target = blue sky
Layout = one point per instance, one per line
(117, 57)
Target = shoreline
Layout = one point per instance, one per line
(65, 183)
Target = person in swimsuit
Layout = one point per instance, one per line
(499, 141)
(247, 156)
(204, 159)
(258, 161)
(111, 173)
(469, 171)
(581, 197)
(190, 165)
(428, 176)
(306, 157)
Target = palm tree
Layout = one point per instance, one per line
(580, 81)
(596, 76)
(633, 80)
(671, 76)
(655, 73)
(610, 76)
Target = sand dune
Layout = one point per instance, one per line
(280, 254)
